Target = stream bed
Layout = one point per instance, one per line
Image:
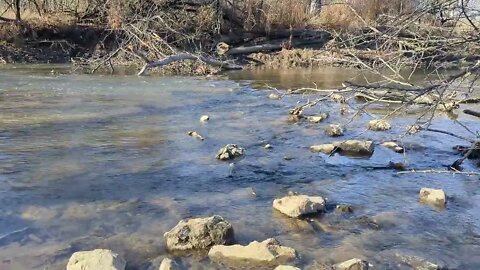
(104, 161)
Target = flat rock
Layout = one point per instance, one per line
(286, 267)
(230, 151)
(379, 125)
(199, 233)
(356, 147)
(393, 146)
(334, 130)
(353, 264)
(298, 205)
(327, 148)
(436, 197)
(268, 252)
(317, 118)
(97, 259)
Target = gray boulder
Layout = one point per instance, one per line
(199, 233)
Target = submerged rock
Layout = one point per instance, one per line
(298, 205)
(268, 252)
(204, 118)
(230, 151)
(413, 129)
(96, 259)
(418, 263)
(194, 134)
(323, 148)
(435, 197)
(334, 130)
(168, 264)
(317, 118)
(353, 264)
(274, 96)
(199, 233)
(393, 146)
(338, 98)
(379, 125)
(356, 147)
(286, 267)
(343, 208)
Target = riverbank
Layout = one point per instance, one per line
(96, 48)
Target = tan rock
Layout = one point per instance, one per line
(298, 205)
(274, 96)
(413, 129)
(195, 134)
(168, 264)
(393, 146)
(199, 233)
(353, 264)
(230, 151)
(204, 118)
(436, 197)
(95, 260)
(379, 125)
(286, 267)
(323, 148)
(268, 252)
(356, 147)
(334, 130)
(317, 118)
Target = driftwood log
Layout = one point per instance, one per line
(188, 56)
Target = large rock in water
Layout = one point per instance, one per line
(435, 197)
(199, 233)
(298, 205)
(327, 148)
(334, 130)
(353, 264)
(268, 252)
(355, 147)
(230, 151)
(97, 259)
(379, 125)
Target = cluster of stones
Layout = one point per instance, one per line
(216, 235)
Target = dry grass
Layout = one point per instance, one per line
(270, 15)
(357, 13)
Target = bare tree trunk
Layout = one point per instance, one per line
(18, 4)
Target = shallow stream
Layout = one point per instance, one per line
(94, 161)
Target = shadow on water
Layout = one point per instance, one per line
(104, 162)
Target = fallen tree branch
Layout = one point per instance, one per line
(188, 56)
(471, 112)
(439, 172)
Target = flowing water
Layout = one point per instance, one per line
(92, 161)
